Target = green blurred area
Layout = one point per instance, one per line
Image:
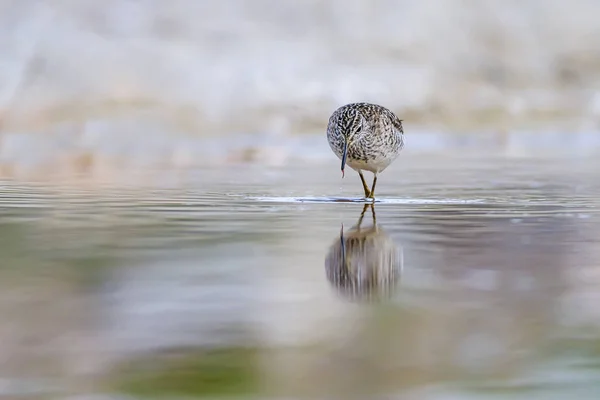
(212, 373)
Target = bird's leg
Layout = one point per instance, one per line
(371, 194)
(365, 187)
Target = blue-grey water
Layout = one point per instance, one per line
(487, 283)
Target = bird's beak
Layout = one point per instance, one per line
(344, 155)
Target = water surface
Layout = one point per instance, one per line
(479, 279)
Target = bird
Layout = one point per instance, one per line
(364, 264)
(366, 137)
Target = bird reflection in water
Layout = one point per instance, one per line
(364, 264)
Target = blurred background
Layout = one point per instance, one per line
(92, 78)
(152, 154)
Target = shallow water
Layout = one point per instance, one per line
(480, 280)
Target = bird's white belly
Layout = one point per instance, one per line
(375, 165)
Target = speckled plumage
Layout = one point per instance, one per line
(373, 135)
